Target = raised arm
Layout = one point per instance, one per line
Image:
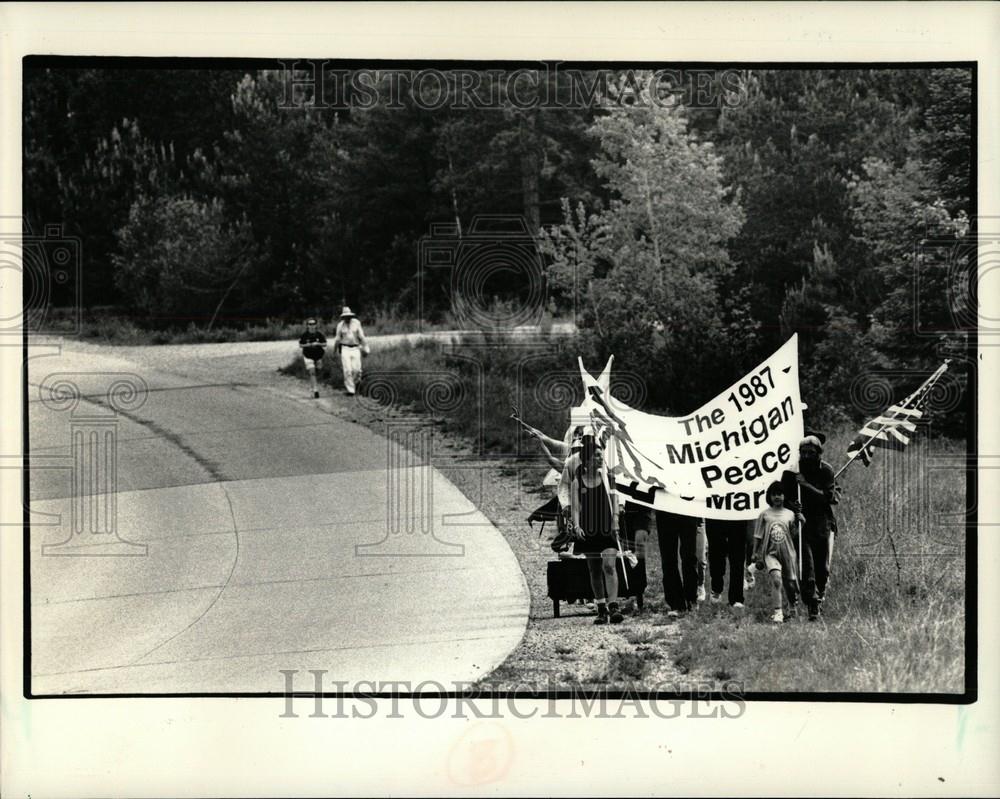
(554, 462)
(567, 491)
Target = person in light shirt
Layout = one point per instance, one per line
(349, 340)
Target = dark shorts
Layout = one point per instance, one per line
(594, 544)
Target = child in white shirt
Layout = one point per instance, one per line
(774, 549)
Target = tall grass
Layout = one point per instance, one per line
(883, 628)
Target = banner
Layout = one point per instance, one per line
(714, 463)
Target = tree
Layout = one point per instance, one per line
(649, 262)
(179, 258)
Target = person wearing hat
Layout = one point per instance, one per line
(585, 497)
(313, 345)
(812, 491)
(349, 340)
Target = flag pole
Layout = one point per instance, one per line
(924, 388)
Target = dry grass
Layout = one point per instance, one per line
(875, 635)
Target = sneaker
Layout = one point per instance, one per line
(716, 598)
(672, 614)
(614, 614)
(602, 614)
(315, 395)
(777, 617)
(701, 593)
(738, 608)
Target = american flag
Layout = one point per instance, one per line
(888, 431)
(892, 429)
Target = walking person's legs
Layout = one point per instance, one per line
(595, 570)
(350, 359)
(716, 557)
(736, 550)
(666, 535)
(808, 582)
(608, 557)
(819, 546)
(774, 575)
(310, 365)
(689, 562)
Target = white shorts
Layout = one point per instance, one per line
(310, 364)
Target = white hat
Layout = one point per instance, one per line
(346, 312)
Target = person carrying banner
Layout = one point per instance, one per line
(584, 496)
(727, 542)
(678, 539)
(313, 346)
(349, 340)
(774, 552)
(812, 491)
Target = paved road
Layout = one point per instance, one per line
(254, 531)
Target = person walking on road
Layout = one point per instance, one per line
(350, 341)
(313, 345)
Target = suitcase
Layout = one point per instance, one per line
(568, 580)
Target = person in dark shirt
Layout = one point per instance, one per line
(313, 346)
(812, 491)
(591, 514)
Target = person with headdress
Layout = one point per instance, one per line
(586, 499)
(349, 340)
(812, 492)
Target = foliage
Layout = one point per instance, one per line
(180, 257)
(690, 241)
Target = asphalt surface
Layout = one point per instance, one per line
(218, 526)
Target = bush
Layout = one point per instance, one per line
(178, 255)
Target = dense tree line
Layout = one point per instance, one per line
(803, 203)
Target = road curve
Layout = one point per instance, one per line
(215, 530)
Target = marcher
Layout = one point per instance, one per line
(584, 494)
(313, 345)
(727, 544)
(812, 491)
(350, 341)
(774, 551)
(678, 538)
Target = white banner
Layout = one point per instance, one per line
(714, 463)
